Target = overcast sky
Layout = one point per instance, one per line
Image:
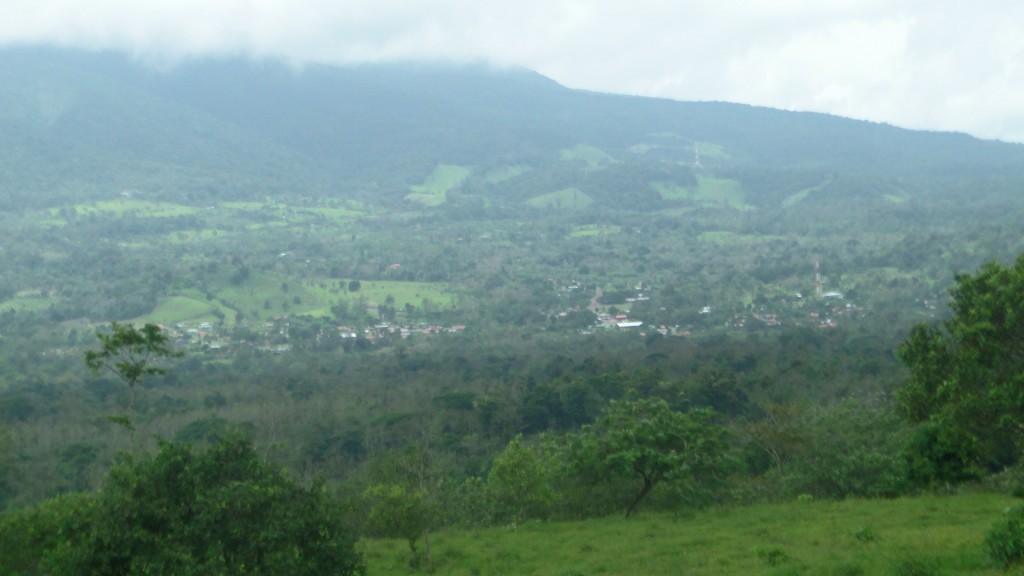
(928, 64)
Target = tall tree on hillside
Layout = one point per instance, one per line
(648, 441)
(966, 384)
(131, 354)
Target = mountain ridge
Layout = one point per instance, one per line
(238, 127)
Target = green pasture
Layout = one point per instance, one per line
(802, 194)
(245, 205)
(594, 230)
(376, 292)
(726, 238)
(269, 295)
(434, 190)
(709, 150)
(798, 196)
(710, 192)
(672, 192)
(720, 192)
(186, 236)
(594, 157)
(131, 206)
(27, 303)
(183, 309)
(929, 535)
(332, 213)
(568, 198)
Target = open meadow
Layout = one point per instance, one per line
(927, 535)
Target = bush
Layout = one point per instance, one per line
(183, 512)
(1005, 539)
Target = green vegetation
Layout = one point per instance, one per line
(593, 157)
(131, 354)
(567, 199)
(216, 511)
(941, 534)
(672, 192)
(434, 191)
(593, 230)
(28, 302)
(965, 378)
(415, 286)
(720, 191)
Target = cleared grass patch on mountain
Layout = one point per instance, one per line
(720, 192)
(594, 230)
(726, 238)
(594, 157)
(131, 206)
(932, 535)
(434, 190)
(27, 303)
(709, 192)
(566, 199)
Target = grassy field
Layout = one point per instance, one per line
(594, 157)
(672, 191)
(594, 230)
(27, 303)
(269, 295)
(143, 208)
(377, 292)
(181, 309)
(931, 535)
(434, 191)
(720, 191)
(568, 199)
(710, 192)
(726, 238)
(709, 150)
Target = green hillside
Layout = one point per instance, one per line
(932, 535)
(499, 306)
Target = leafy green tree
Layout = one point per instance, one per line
(518, 484)
(32, 537)
(131, 354)
(182, 512)
(648, 441)
(966, 383)
(399, 512)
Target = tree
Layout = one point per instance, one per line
(399, 512)
(966, 383)
(517, 483)
(648, 441)
(182, 512)
(131, 354)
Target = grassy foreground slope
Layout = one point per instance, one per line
(930, 535)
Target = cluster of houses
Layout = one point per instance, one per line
(387, 330)
(273, 337)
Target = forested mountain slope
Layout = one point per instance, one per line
(75, 121)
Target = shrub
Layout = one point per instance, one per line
(772, 555)
(1005, 539)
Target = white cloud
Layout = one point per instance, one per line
(934, 64)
